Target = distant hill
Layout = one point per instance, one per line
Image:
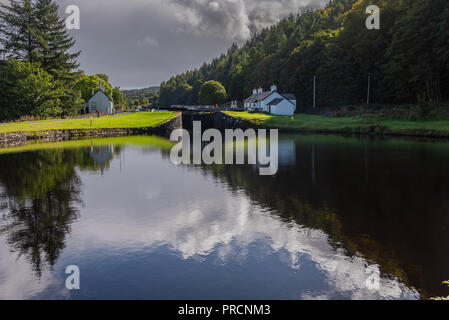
(141, 93)
(136, 96)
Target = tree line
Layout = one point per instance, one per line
(146, 97)
(37, 72)
(406, 60)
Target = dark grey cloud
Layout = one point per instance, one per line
(139, 43)
(236, 20)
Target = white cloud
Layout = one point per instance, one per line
(235, 20)
(149, 41)
(214, 5)
(203, 217)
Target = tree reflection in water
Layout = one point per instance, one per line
(381, 199)
(39, 199)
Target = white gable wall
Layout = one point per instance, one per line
(284, 108)
(100, 101)
(268, 99)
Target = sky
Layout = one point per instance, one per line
(140, 43)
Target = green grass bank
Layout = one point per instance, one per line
(350, 124)
(135, 120)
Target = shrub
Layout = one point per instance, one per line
(211, 93)
(28, 90)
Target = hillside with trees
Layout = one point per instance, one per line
(406, 60)
(143, 97)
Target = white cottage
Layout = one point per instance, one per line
(272, 102)
(100, 101)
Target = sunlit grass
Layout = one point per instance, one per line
(135, 120)
(318, 122)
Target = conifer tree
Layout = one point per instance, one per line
(17, 30)
(54, 41)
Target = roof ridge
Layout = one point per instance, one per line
(99, 90)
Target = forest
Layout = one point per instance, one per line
(143, 97)
(406, 60)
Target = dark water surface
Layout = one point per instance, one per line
(338, 211)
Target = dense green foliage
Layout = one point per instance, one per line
(407, 59)
(32, 31)
(143, 97)
(26, 89)
(37, 78)
(89, 84)
(177, 91)
(120, 100)
(54, 41)
(212, 93)
(17, 32)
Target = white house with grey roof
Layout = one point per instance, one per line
(99, 101)
(272, 102)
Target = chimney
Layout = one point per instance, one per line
(260, 90)
(274, 88)
(255, 91)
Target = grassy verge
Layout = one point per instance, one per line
(354, 124)
(135, 120)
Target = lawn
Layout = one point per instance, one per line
(135, 120)
(303, 122)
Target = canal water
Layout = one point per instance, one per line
(344, 218)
